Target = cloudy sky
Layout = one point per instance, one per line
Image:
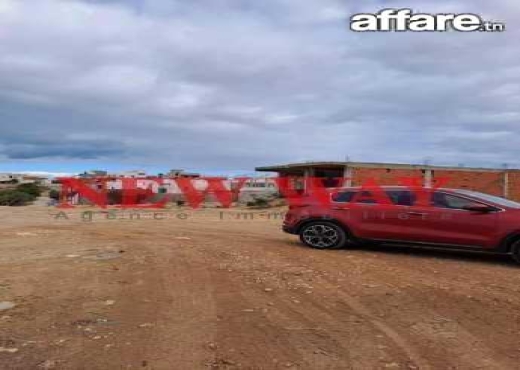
(227, 85)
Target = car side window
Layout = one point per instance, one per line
(443, 200)
(365, 197)
(343, 197)
(397, 197)
(401, 197)
(350, 196)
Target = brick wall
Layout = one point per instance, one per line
(490, 182)
(513, 188)
(383, 176)
(486, 182)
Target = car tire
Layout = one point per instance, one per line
(515, 251)
(323, 235)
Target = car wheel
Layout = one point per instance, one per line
(515, 251)
(323, 235)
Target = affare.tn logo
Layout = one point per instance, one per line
(402, 20)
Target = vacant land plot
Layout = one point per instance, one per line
(225, 290)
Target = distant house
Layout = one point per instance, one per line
(182, 173)
(39, 180)
(259, 187)
(19, 178)
(129, 174)
(9, 178)
(93, 173)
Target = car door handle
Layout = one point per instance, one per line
(417, 213)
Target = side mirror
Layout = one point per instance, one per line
(480, 208)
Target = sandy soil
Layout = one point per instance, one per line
(211, 290)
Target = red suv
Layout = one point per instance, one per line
(442, 218)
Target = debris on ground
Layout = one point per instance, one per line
(6, 305)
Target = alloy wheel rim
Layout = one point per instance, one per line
(320, 236)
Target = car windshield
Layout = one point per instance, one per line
(490, 198)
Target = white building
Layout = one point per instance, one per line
(258, 187)
(7, 177)
(131, 174)
(20, 178)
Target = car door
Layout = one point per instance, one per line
(391, 222)
(445, 221)
(371, 220)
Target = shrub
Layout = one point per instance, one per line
(31, 189)
(15, 198)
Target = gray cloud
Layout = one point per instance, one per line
(73, 150)
(232, 84)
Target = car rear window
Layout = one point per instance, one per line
(443, 200)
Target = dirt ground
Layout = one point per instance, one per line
(211, 290)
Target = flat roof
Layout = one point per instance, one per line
(339, 165)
